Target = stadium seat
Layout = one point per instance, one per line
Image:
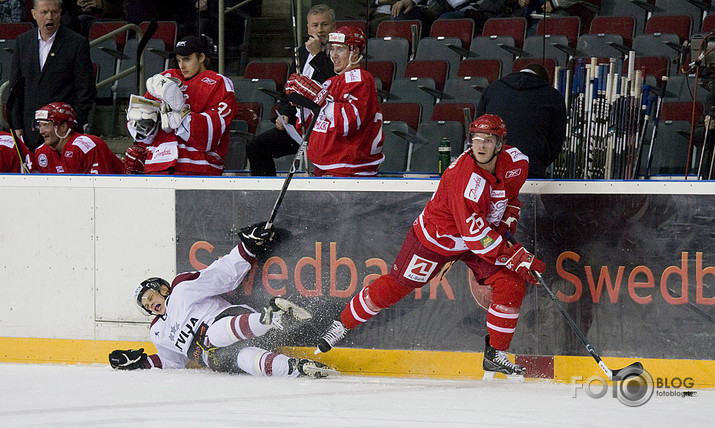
(431, 48)
(708, 24)
(153, 64)
(105, 55)
(100, 28)
(656, 66)
(601, 45)
(424, 149)
(251, 113)
(409, 113)
(408, 90)
(683, 88)
(453, 112)
(395, 147)
(672, 24)
(261, 91)
(10, 30)
(435, 69)
(383, 70)
(569, 26)
(462, 28)
(402, 29)
(670, 150)
(513, 27)
(396, 50)
(464, 89)
(488, 68)
(693, 9)
(165, 31)
(7, 48)
(274, 70)
(637, 9)
(681, 110)
(621, 25)
(659, 44)
(351, 23)
(555, 47)
(495, 47)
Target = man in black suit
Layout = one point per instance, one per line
(316, 64)
(54, 65)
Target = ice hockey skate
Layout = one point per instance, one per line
(282, 311)
(335, 333)
(496, 361)
(310, 368)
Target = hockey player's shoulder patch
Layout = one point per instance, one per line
(353, 76)
(84, 143)
(516, 155)
(7, 141)
(475, 187)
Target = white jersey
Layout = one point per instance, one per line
(195, 299)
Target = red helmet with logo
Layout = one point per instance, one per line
(351, 36)
(489, 124)
(56, 113)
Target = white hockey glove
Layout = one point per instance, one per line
(167, 89)
(173, 120)
(142, 117)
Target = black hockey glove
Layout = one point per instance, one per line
(257, 239)
(130, 359)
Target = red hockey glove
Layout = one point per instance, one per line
(306, 87)
(134, 159)
(517, 259)
(510, 218)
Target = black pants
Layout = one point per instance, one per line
(266, 146)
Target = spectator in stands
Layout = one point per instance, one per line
(383, 11)
(67, 151)
(11, 155)
(534, 112)
(430, 10)
(346, 140)
(88, 11)
(315, 64)
(52, 64)
(195, 105)
(533, 11)
(12, 10)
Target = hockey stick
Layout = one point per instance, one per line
(293, 167)
(633, 369)
(11, 98)
(150, 30)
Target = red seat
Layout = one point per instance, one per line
(489, 68)
(656, 66)
(351, 23)
(513, 27)
(401, 29)
(548, 63)
(274, 70)
(452, 111)
(10, 30)
(383, 70)
(673, 24)
(681, 110)
(100, 28)
(251, 113)
(404, 112)
(165, 31)
(435, 69)
(461, 28)
(622, 25)
(708, 24)
(569, 26)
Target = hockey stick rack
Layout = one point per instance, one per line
(634, 369)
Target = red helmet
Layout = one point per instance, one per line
(489, 124)
(351, 36)
(56, 113)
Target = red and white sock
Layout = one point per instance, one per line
(501, 326)
(259, 362)
(229, 330)
(357, 311)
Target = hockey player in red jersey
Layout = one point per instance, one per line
(194, 326)
(475, 205)
(346, 140)
(66, 151)
(186, 130)
(10, 158)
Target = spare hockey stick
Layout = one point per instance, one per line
(150, 30)
(11, 98)
(296, 159)
(634, 369)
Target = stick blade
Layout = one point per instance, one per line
(635, 369)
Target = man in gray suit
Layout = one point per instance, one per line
(52, 64)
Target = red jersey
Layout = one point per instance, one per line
(468, 202)
(347, 136)
(10, 160)
(82, 154)
(212, 101)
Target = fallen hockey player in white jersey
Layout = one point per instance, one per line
(195, 327)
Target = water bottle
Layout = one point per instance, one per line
(445, 155)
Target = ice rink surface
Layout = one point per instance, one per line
(74, 395)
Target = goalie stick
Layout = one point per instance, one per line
(150, 30)
(11, 98)
(634, 369)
